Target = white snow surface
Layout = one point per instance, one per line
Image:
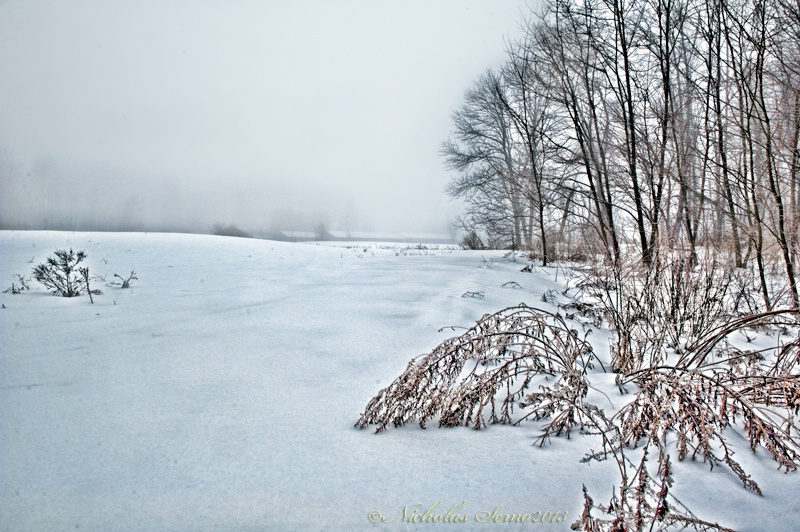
(220, 392)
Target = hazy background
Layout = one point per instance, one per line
(277, 114)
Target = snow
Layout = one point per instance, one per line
(220, 391)
(410, 238)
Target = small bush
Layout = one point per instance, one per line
(472, 241)
(63, 276)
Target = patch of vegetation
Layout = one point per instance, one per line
(63, 275)
(221, 229)
(124, 282)
(486, 372)
(674, 325)
(17, 288)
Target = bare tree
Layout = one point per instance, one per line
(533, 122)
(565, 53)
(659, 124)
(482, 151)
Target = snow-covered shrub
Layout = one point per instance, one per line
(63, 276)
(681, 407)
(644, 502)
(711, 385)
(487, 372)
(670, 303)
(687, 406)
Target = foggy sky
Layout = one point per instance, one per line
(257, 113)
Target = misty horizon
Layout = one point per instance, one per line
(141, 204)
(267, 116)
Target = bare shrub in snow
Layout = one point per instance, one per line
(17, 288)
(712, 385)
(486, 371)
(644, 502)
(63, 276)
(123, 282)
(472, 241)
(667, 304)
(488, 375)
(689, 404)
(474, 295)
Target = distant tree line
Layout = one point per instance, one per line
(631, 128)
(221, 229)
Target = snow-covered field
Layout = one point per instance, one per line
(220, 392)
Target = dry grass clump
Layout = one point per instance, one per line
(689, 406)
(482, 375)
(524, 363)
(645, 502)
(710, 387)
(668, 305)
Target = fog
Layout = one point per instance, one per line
(264, 114)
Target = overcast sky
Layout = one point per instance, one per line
(257, 113)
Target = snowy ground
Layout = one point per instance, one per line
(220, 392)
